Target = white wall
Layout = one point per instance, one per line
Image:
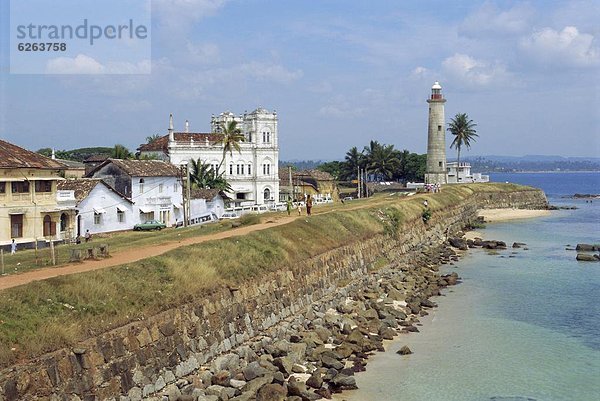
(159, 194)
(103, 198)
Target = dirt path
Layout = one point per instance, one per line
(135, 254)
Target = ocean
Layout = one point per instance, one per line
(524, 325)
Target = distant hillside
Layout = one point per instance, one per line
(78, 155)
(494, 163)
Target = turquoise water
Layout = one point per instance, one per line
(518, 328)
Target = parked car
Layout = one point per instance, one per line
(229, 216)
(348, 198)
(149, 225)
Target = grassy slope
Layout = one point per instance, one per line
(43, 316)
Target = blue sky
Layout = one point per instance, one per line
(338, 72)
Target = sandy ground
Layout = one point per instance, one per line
(473, 234)
(494, 215)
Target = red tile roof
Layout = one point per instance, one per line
(141, 168)
(83, 186)
(13, 156)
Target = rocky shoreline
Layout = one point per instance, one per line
(315, 354)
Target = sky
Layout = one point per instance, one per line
(339, 73)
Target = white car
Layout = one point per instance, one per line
(229, 216)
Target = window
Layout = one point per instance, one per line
(160, 188)
(120, 216)
(141, 188)
(20, 187)
(440, 164)
(2, 187)
(16, 225)
(97, 218)
(43, 186)
(215, 168)
(439, 128)
(249, 169)
(267, 194)
(249, 134)
(231, 169)
(64, 222)
(266, 169)
(266, 137)
(49, 226)
(237, 170)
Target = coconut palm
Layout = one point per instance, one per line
(229, 136)
(464, 132)
(152, 138)
(382, 160)
(353, 160)
(202, 175)
(121, 152)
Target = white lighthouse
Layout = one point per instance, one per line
(436, 139)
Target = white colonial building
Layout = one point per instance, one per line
(153, 186)
(99, 207)
(462, 174)
(252, 172)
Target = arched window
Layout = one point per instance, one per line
(141, 185)
(64, 222)
(49, 227)
(267, 194)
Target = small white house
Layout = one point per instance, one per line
(462, 174)
(205, 202)
(153, 186)
(99, 208)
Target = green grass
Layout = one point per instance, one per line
(46, 315)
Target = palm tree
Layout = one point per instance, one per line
(202, 175)
(152, 138)
(121, 152)
(230, 137)
(382, 160)
(464, 132)
(353, 160)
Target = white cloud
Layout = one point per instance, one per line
(86, 65)
(81, 64)
(178, 15)
(489, 19)
(473, 72)
(270, 72)
(567, 47)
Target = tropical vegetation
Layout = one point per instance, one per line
(229, 136)
(203, 175)
(464, 132)
(380, 161)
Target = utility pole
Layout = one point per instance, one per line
(292, 197)
(358, 188)
(183, 193)
(188, 190)
(366, 181)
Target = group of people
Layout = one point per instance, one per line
(432, 188)
(308, 202)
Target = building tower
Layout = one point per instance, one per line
(435, 172)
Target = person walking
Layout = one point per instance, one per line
(299, 208)
(13, 247)
(288, 206)
(309, 204)
(88, 236)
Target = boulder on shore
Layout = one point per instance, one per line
(587, 247)
(586, 257)
(404, 351)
